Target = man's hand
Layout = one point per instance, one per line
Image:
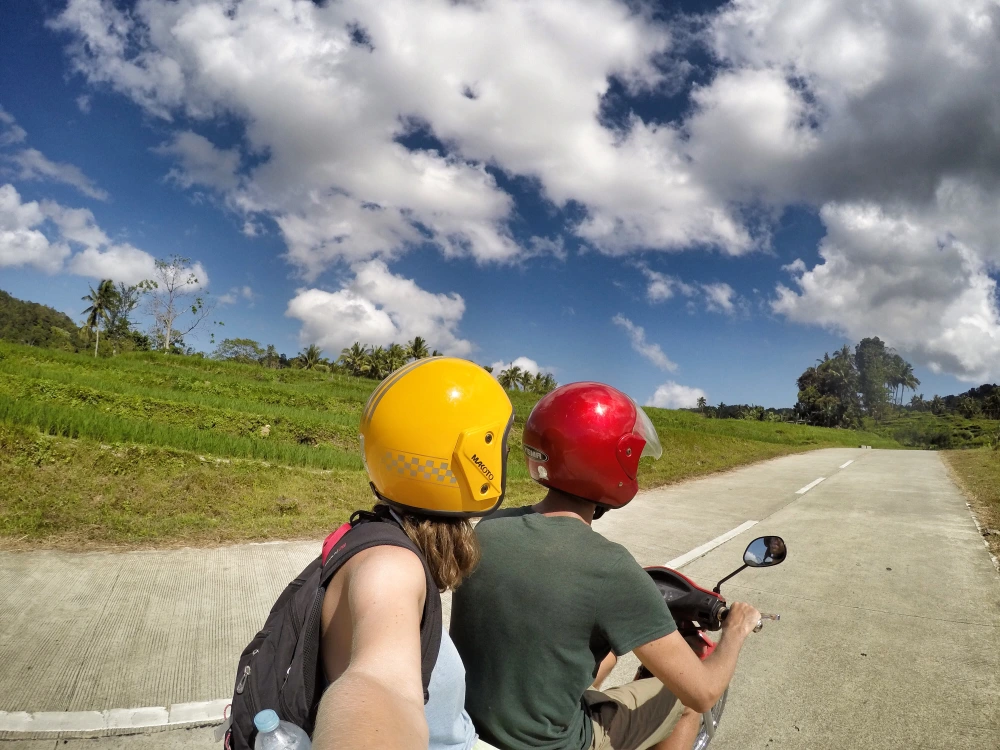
(741, 620)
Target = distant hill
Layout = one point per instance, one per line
(37, 325)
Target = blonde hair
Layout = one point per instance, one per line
(449, 545)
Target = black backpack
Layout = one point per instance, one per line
(281, 668)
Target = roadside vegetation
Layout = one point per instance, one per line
(978, 473)
(148, 448)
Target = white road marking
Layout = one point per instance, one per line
(704, 549)
(844, 466)
(809, 486)
(177, 714)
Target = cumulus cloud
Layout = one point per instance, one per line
(22, 243)
(378, 307)
(905, 277)
(200, 162)
(673, 395)
(361, 149)
(637, 336)
(331, 116)
(53, 238)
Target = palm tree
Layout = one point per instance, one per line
(378, 360)
(702, 403)
(355, 359)
(525, 380)
(437, 353)
(100, 301)
(417, 349)
(510, 378)
(396, 357)
(311, 358)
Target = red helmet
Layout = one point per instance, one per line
(586, 439)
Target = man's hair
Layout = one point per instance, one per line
(449, 545)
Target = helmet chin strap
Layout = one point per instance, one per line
(395, 515)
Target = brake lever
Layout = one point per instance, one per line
(764, 616)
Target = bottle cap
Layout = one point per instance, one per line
(266, 721)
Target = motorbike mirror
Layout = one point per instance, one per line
(765, 551)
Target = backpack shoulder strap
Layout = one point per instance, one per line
(367, 532)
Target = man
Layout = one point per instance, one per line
(552, 602)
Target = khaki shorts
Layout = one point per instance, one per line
(634, 716)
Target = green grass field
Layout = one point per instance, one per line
(147, 449)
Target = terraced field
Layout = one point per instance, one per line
(151, 450)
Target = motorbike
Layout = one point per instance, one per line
(698, 611)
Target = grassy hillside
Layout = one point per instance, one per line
(153, 449)
(939, 431)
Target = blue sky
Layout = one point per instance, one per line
(539, 181)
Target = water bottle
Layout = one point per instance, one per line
(273, 734)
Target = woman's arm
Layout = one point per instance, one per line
(378, 701)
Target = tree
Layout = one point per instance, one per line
(122, 305)
(510, 378)
(311, 358)
(355, 359)
(917, 403)
(937, 405)
(828, 392)
(702, 403)
(488, 368)
(168, 302)
(240, 350)
(872, 362)
(100, 300)
(271, 358)
(396, 356)
(417, 349)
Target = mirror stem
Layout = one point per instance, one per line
(719, 584)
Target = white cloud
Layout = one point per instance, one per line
(719, 298)
(83, 102)
(672, 395)
(377, 307)
(662, 287)
(637, 336)
(327, 113)
(10, 131)
(818, 103)
(201, 162)
(916, 280)
(34, 165)
(119, 262)
(54, 239)
(21, 242)
(526, 364)
(237, 293)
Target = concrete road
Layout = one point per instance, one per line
(889, 634)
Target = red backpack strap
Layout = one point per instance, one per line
(331, 541)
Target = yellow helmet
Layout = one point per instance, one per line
(434, 438)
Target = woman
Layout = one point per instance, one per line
(434, 444)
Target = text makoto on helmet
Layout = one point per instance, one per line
(434, 438)
(586, 439)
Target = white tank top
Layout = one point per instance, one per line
(449, 725)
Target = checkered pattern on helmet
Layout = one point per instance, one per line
(419, 468)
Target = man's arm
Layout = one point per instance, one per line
(699, 684)
(378, 701)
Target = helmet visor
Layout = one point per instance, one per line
(644, 429)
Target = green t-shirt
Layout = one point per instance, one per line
(547, 603)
